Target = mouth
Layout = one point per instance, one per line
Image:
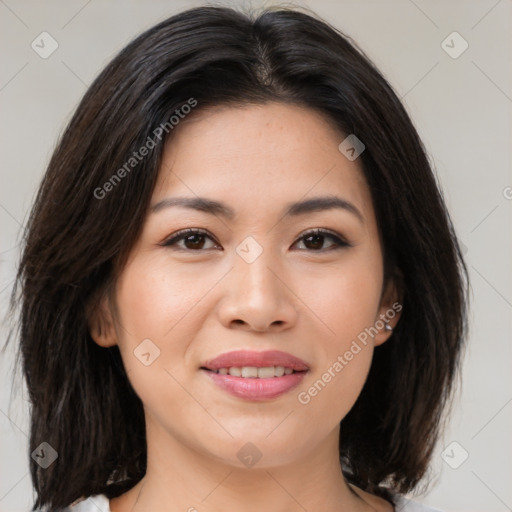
(256, 376)
(255, 372)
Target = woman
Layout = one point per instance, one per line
(240, 287)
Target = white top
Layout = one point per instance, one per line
(100, 503)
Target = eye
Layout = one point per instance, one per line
(194, 240)
(315, 240)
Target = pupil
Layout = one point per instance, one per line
(196, 243)
(317, 243)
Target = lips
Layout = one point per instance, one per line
(256, 376)
(241, 358)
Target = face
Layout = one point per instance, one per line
(252, 276)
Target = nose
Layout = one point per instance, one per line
(256, 296)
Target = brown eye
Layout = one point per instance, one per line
(193, 240)
(314, 240)
(197, 240)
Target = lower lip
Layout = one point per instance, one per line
(255, 388)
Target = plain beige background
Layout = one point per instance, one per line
(462, 109)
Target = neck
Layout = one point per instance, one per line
(180, 478)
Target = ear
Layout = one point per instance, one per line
(101, 323)
(390, 309)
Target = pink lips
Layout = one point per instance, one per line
(259, 359)
(257, 389)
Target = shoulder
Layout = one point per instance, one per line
(405, 505)
(97, 503)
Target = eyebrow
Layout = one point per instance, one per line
(211, 206)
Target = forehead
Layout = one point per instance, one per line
(258, 155)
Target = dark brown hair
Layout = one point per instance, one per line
(82, 403)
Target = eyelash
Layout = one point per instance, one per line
(185, 233)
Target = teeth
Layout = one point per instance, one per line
(249, 371)
(265, 373)
(253, 372)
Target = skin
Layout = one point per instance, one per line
(299, 297)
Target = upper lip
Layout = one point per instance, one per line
(240, 358)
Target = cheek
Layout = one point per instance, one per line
(333, 390)
(149, 335)
(347, 305)
(345, 356)
(346, 298)
(155, 298)
(159, 305)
